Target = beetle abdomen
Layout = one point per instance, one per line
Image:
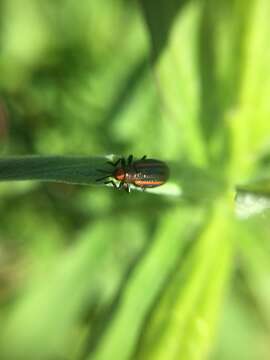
(150, 173)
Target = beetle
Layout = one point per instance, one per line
(143, 173)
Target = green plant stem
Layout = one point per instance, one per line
(67, 169)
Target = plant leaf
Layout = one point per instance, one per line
(50, 309)
(146, 283)
(250, 121)
(183, 323)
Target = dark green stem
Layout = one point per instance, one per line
(68, 169)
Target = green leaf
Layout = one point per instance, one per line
(177, 81)
(160, 17)
(48, 313)
(53, 304)
(197, 50)
(183, 323)
(146, 283)
(255, 260)
(250, 120)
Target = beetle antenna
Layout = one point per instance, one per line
(102, 171)
(103, 178)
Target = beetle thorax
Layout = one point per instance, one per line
(126, 175)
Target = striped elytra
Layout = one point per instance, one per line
(143, 173)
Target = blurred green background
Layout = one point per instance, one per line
(91, 273)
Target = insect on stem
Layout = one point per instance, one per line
(144, 173)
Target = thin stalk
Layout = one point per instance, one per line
(67, 169)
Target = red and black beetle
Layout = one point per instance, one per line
(143, 173)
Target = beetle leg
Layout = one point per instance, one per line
(121, 185)
(114, 164)
(144, 157)
(130, 159)
(124, 186)
(111, 182)
(127, 188)
(103, 178)
(102, 171)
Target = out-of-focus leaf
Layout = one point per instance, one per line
(246, 317)
(196, 184)
(239, 327)
(146, 283)
(139, 112)
(220, 52)
(25, 40)
(177, 81)
(197, 47)
(250, 120)
(52, 306)
(255, 264)
(160, 17)
(183, 323)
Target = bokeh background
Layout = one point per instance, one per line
(87, 272)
